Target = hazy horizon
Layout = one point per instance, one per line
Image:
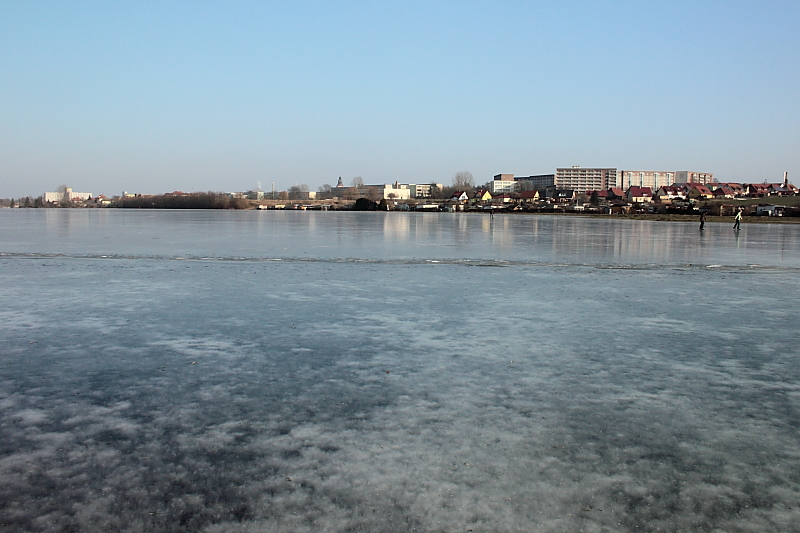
(151, 98)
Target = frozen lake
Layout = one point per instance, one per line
(324, 371)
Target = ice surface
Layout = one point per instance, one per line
(593, 375)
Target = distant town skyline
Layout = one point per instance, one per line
(151, 98)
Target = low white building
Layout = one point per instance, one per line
(423, 190)
(503, 183)
(396, 191)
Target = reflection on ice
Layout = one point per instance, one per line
(321, 235)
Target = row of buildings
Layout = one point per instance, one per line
(635, 194)
(586, 179)
(695, 191)
(66, 194)
(573, 178)
(393, 191)
(576, 180)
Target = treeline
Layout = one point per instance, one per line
(26, 201)
(200, 200)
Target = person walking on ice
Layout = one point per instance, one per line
(702, 219)
(737, 220)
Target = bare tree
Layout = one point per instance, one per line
(324, 191)
(198, 200)
(298, 192)
(374, 193)
(463, 181)
(436, 192)
(358, 183)
(63, 195)
(444, 193)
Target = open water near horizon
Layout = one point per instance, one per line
(334, 371)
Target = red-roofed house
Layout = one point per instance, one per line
(777, 189)
(640, 195)
(723, 191)
(482, 195)
(615, 193)
(671, 192)
(699, 192)
(502, 198)
(737, 188)
(757, 190)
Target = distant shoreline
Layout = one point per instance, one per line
(638, 216)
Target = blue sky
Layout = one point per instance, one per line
(157, 96)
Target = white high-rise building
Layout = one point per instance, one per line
(585, 179)
(656, 178)
(68, 194)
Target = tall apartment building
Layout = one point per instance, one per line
(655, 179)
(685, 176)
(646, 178)
(585, 179)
